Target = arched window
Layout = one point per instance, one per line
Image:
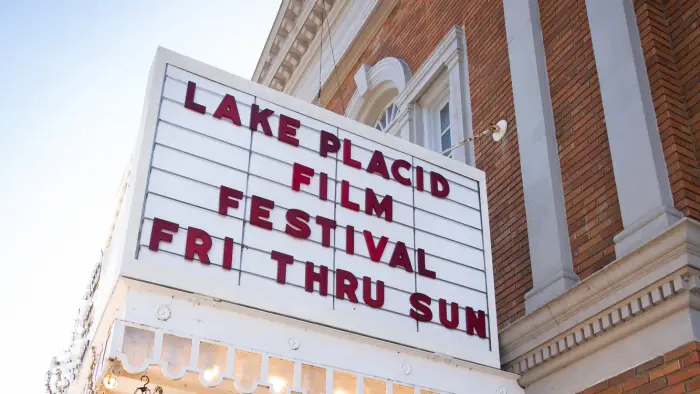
(374, 101)
(387, 117)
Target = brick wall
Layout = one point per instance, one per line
(670, 36)
(675, 372)
(411, 33)
(592, 208)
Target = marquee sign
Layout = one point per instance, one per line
(261, 200)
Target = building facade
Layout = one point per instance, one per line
(593, 193)
(570, 245)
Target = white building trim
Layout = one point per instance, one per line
(346, 22)
(641, 176)
(616, 319)
(450, 56)
(548, 233)
(389, 74)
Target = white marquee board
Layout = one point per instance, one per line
(184, 157)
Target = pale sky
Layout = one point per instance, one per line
(73, 76)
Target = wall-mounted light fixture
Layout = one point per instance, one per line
(497, 132)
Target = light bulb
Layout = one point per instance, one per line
(211, 373)
(277, 384)
(110, 381)
(338, 392)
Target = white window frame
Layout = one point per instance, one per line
(449, 59)
(430, 104)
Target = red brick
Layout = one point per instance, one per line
(681, 351)
(652, 387)
(665, 369)
(692, 358)
(635, 382)
(693, 384)
(650, 364)
(684, 374)
(677, 389)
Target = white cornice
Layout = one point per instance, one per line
(347, 21)
(297, 24)
(270, 38)
(631, 293)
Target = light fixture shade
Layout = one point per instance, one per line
(109, 381)
(501, 128)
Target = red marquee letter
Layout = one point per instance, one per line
(347, 155)
(189, 99)
(228, 109)
(288, 130)
(301, 175)
(420, 307)
(439, 187)
(446, 321)
(157, 233)
(375, 251)
(378, 165)
(282, 261)
(320, 277)
(298, 224)
(372, 205)
(198, 243)
(259, 211)
(419, 178)
(376, 302)
(345, 197)
(476, 323)
(345, 285)
(350, 240)
(422, 270)
(395, 166)
(258, 117)
(329, 144)
(228, 198)
(323, 186)
(228, 253)
(326, 226)
(400, 257)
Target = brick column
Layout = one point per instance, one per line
(640, 170)
(548, 233)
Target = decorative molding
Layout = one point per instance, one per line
(657, 280)
(120, 364)
(347, 21)
(296, 26)
(388, 73)
(454, 43)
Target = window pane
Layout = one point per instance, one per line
(373, 386)
(313, 379)
(344, 383)
(445, 117)
(446, 140)
(176, 353)
(212, 360)
(137, 345)
(246, 366)
(401, 389)
(281, 375)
